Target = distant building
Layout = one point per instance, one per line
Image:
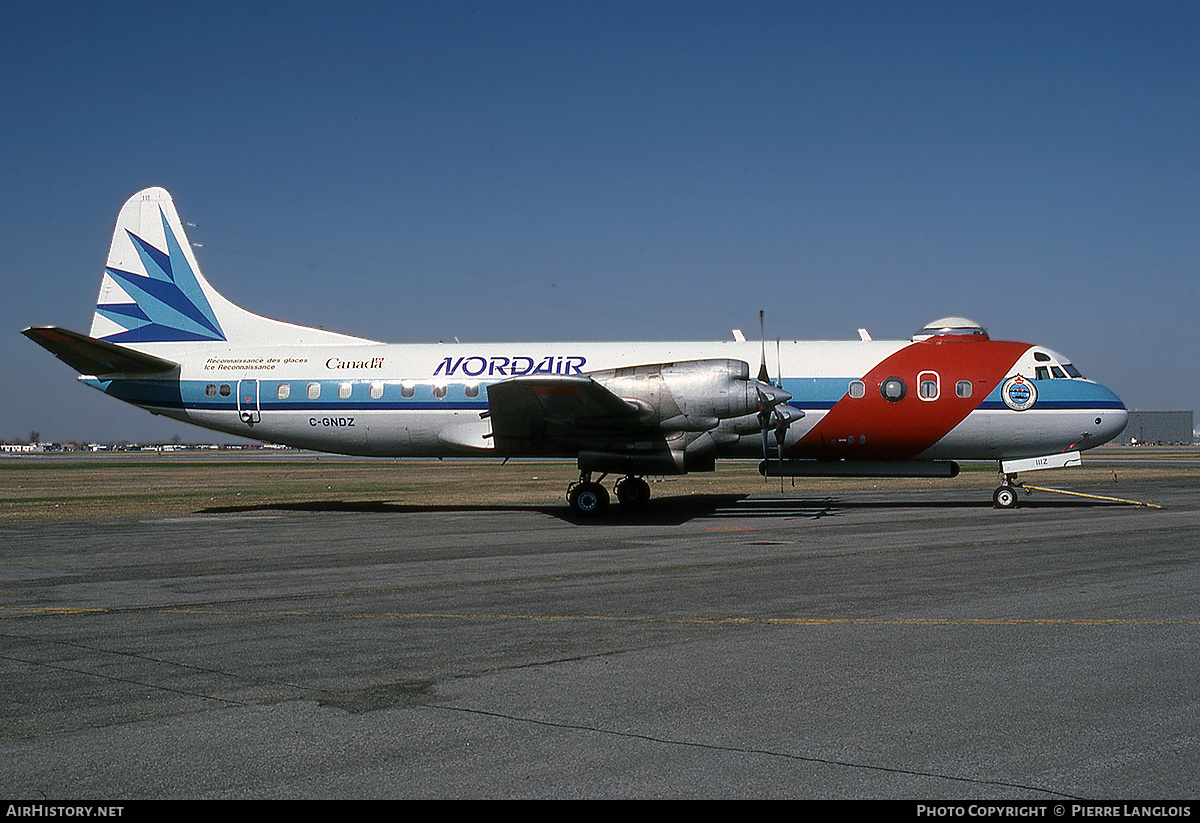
(1158, 427)
(22, 448)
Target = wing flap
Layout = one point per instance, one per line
(538, 413)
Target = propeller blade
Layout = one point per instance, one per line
(770, 413)
(780, 436)
(764, 376)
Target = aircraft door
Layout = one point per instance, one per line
(247, 400)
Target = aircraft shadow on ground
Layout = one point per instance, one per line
(659, 511)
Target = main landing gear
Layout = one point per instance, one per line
(588, 498)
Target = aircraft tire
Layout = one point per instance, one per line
(588, 499)
(1005, 497)
(633, 492)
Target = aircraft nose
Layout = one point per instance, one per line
(1112, 419)
(1116, 422)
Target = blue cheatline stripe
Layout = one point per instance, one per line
(192, 394)
(1056, 405)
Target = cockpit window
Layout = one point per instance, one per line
(1047, 368)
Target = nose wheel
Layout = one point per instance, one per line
(1006, 497)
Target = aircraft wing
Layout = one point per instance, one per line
(93, 357)
(538, 413)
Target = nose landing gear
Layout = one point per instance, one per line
(1006, 497)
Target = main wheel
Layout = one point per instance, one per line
(1005, 497)
(633, 492)
(588, 499)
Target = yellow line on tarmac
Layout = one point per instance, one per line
(53, 611)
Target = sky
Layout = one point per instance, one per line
(530, 171)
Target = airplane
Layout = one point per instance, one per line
(162, 338)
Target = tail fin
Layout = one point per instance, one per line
(153, 291)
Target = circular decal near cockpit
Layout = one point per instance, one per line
(1019, 394)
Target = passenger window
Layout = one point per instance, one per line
(210, 390)
(963, 388)
(314, 391)
(283, 391)
(439, 391)
(344, 391)
(225, 390)
(407, 390)
(858, 388)
(928, 385)
(376, 390)
(473, 390)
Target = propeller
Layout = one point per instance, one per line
(773, 411)
(781, 426)
(770, 415)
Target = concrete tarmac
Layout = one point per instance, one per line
(910, 644)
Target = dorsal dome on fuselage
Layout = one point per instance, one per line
(952, 325)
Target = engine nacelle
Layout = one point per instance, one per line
(699, 406)
(690, 396)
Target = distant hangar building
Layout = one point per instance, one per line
(1158, 427)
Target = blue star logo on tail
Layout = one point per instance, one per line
(169, 304)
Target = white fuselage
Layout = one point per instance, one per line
(431, 399)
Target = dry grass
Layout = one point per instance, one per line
(41, 487)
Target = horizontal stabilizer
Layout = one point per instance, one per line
(90, 356)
